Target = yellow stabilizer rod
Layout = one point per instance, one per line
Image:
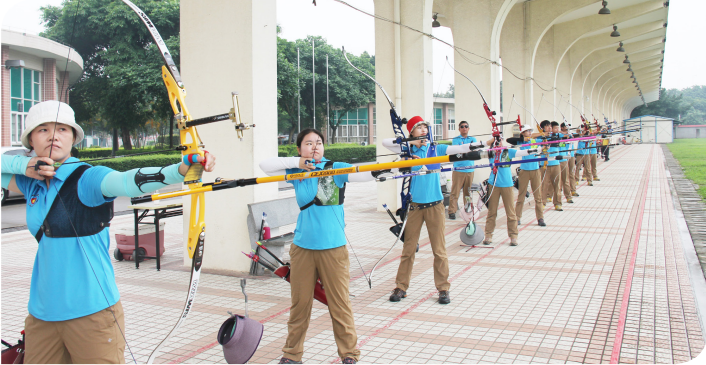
(227, 184)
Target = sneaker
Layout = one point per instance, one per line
(487, 241)
(350, 360)
(452, 215)
(417, 248)
(444, 297)
(596, 179)
(607, 159)
(582, 179)
(590, 183)
(549, 199)
(285, 360)
(513, 241)
(573, 193)
(540, 222)
(558, 208)
(398, 294)
(570, 200)
(519, 223)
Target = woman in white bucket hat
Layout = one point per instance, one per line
(75, 314)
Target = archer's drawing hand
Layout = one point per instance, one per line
(44, 171)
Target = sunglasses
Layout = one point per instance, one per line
(463, 126)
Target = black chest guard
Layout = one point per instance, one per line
(328, 193)
(67, 212)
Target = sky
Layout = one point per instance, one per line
(343, 26)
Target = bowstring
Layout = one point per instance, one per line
(58, 194)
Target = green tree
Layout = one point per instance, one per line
(450, 93)
(122, 81)
(348, 89)
(670, 105)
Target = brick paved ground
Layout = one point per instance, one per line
(610, 264)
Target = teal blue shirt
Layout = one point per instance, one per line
(553, 152)
(318, 227)
(530, 166)
(66, 282)
(592, 147)
(504, 172)
(426, 188)
(458, 140)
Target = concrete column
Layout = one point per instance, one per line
(472, 29)
(515, 54)
(403, 67)
(49, 79)
(6, 140)
(211, 70)
(371, 127)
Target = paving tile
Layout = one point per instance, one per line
(555, 298)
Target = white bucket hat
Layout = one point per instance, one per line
(525, 127)
(51, 111)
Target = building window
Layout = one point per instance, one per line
(438, 123)
(452, 119)
(25, 91)
(353, 125)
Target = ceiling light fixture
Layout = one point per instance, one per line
(435, 23)
(604, 10)
(615, 32)
(620, 48)
(626, 59)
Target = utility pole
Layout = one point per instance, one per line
(313, 83)
(299, 99)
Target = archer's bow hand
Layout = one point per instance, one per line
(208, 161)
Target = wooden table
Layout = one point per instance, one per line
(161, 209)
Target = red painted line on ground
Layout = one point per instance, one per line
(394, 320)
(628, 283)
(426, 297)
(211, 345)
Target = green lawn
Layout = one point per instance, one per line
(691, 154)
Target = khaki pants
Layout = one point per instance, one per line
(460, 181)
(435, 220)
(533, 177)
(572, 176)
(92, 339)
(493, 203)
(331, 266)
(565, 171)
(594, 161)
(551, 186)
(586, 164)
(577, 166)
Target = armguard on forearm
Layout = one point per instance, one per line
(463, 148)
(140, 181)
(13, 165)
(390, 144)
(523, 153)
(278, 165)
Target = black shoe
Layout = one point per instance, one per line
(540, 222)
(285, 360)
(444, 297)
(452, 215)
(607, 159)
(398, 294)
(519, 223)
(350, 360)
(417, 248)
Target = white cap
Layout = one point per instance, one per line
(525, 127)
(50, 111)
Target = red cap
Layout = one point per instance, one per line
(413, 123)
